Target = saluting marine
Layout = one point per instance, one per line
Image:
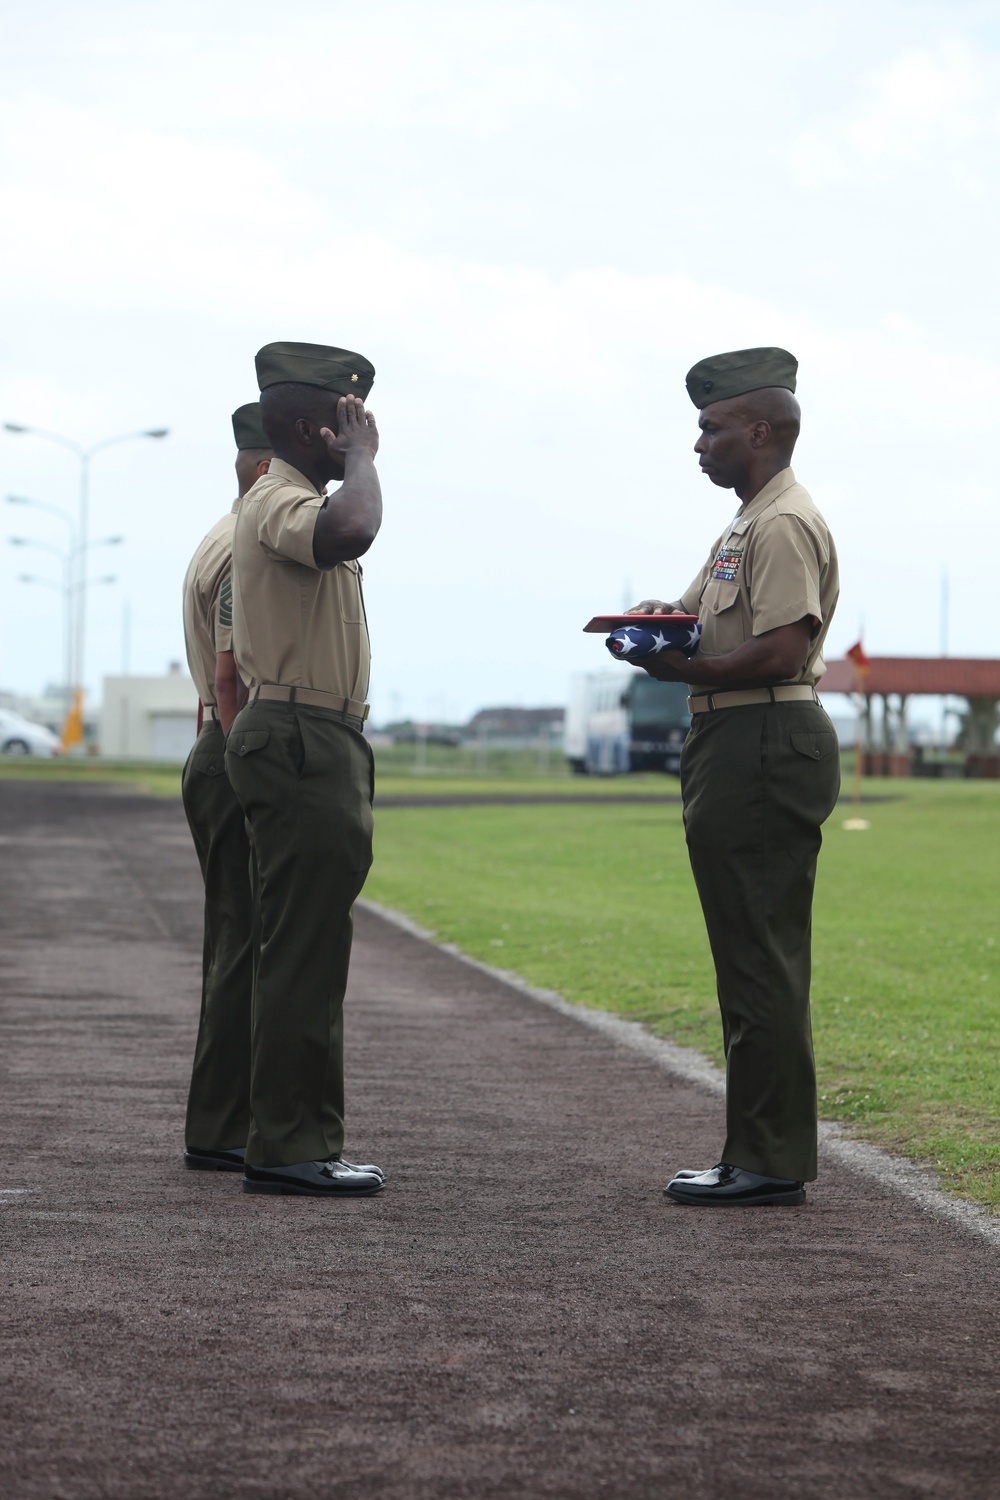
(297, 756)
(218, 1112)
(760, 770)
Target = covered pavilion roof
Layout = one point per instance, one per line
(961, 677)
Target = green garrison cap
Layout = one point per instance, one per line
(247, 429)
(723, 376)
(315, 364)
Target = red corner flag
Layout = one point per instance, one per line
(858, 657)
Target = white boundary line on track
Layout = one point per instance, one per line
(896, 1174)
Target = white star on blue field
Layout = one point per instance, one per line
(635, 642)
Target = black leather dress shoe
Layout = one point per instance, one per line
(376, 1171)
(315, 1179)
(214, 1161)
(724, 1186)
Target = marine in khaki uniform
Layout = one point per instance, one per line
(218, 1112)
(297, 756)
(760, 770)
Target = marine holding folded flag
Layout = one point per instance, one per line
(297, 756)
(760, 770)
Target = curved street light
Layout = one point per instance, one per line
(67, 558)
(66, 589)
(53, 510)
(27, 541)
(45, 583)
(50, 583)
(84, 456)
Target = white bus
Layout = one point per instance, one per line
(624, 721)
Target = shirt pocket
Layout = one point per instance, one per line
(719, 596)
(352, 609)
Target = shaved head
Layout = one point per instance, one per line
(282, 405)
(294, 415)
(251, 463)
(773, 405)
(748, 439)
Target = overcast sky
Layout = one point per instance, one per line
(532, 218)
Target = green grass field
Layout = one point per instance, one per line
(400, 771)
(152, 777)
(598, 903)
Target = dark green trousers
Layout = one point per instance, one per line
(218, 1112)
(758, 783)
(305, 780)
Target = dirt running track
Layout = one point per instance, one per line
(519, 1314)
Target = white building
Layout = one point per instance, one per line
(149, 718)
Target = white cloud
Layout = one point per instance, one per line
(119, 213)
(532, 246)
(930, 109)
(923, 93)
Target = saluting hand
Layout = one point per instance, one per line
(356, 429)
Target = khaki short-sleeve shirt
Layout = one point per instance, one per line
(294, 624)
(208, 605)
(773, 566)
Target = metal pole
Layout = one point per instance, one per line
(68, 559)
(944, 651)
(68, 633)
(80, 582)
(126, 635)
(856, 823)
(81, 555)
(944, 612)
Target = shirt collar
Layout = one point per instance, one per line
(278, 468)
(781, 482)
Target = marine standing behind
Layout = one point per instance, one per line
(218, 1110)
(297, 755)
(760, 770)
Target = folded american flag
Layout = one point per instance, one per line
(636, 642)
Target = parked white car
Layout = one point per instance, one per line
(21, 737)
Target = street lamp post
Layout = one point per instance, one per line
(66, 589)
(69, 583)
(84, 583)
(84, 456)
(67, 519)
